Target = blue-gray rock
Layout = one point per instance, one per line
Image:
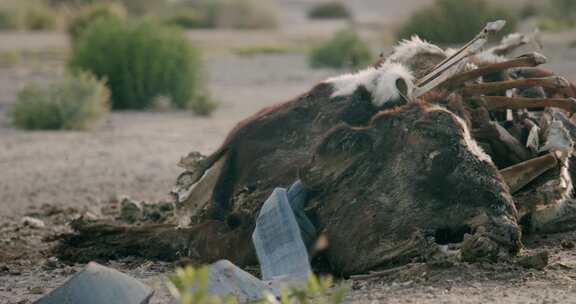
(97, 284)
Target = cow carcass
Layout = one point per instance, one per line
(394, 171)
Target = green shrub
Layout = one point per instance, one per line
(345, 49)
(187, 18)
(454, 21)
(73, 102)
(140, 60)
(329, 10)
(87, 15)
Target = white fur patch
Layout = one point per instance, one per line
(489, 57)
(408, 48)
(380, 82)
(469, 142)
(566, 180)
(514, 38)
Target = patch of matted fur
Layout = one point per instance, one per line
(468, 141)
(408, 48)
(379, 81)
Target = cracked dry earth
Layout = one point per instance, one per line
(56, 176)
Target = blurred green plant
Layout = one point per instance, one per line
(238, 14)
(27, 15)
(90, 13)
(344, 50)
(141, 60)
(40, 17)
(145, 7)
(317, 290)
(329, 10)
(565, 9)
(261, 49)
(188, 18)
(454, 21)
(203, 104)
(74, 102)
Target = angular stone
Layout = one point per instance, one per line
(278, 242)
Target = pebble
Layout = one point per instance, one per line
(36, 290)
(567, 244)
(537, 261)
(33, 222)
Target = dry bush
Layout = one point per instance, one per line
(237, 14)
(27, 15)
(73, 102)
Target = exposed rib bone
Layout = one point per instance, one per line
(514, 103)
(521, 174)
(511, 143)
(554, 82)
(528, 60)
(454, 63)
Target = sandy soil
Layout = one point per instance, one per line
(55, 176)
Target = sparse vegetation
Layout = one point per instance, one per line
(187, 18)
(559, 15)
(145, 7)
(140, 60)
(454, 21)
(27, 15)
(317, 290)
(329, 10)
(238, 14)
(261, 49)
(88, 14)
(203, 104)
(345, 49)
(73, 102)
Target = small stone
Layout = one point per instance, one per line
(567, 244)
(33, 222)
(90, 216)
(4, 269)
(36, 290)
(537, 261)
(51, 263)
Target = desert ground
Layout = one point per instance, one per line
(56, 176)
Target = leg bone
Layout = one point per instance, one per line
(515, 103)
(554, 82)
(521, 174)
